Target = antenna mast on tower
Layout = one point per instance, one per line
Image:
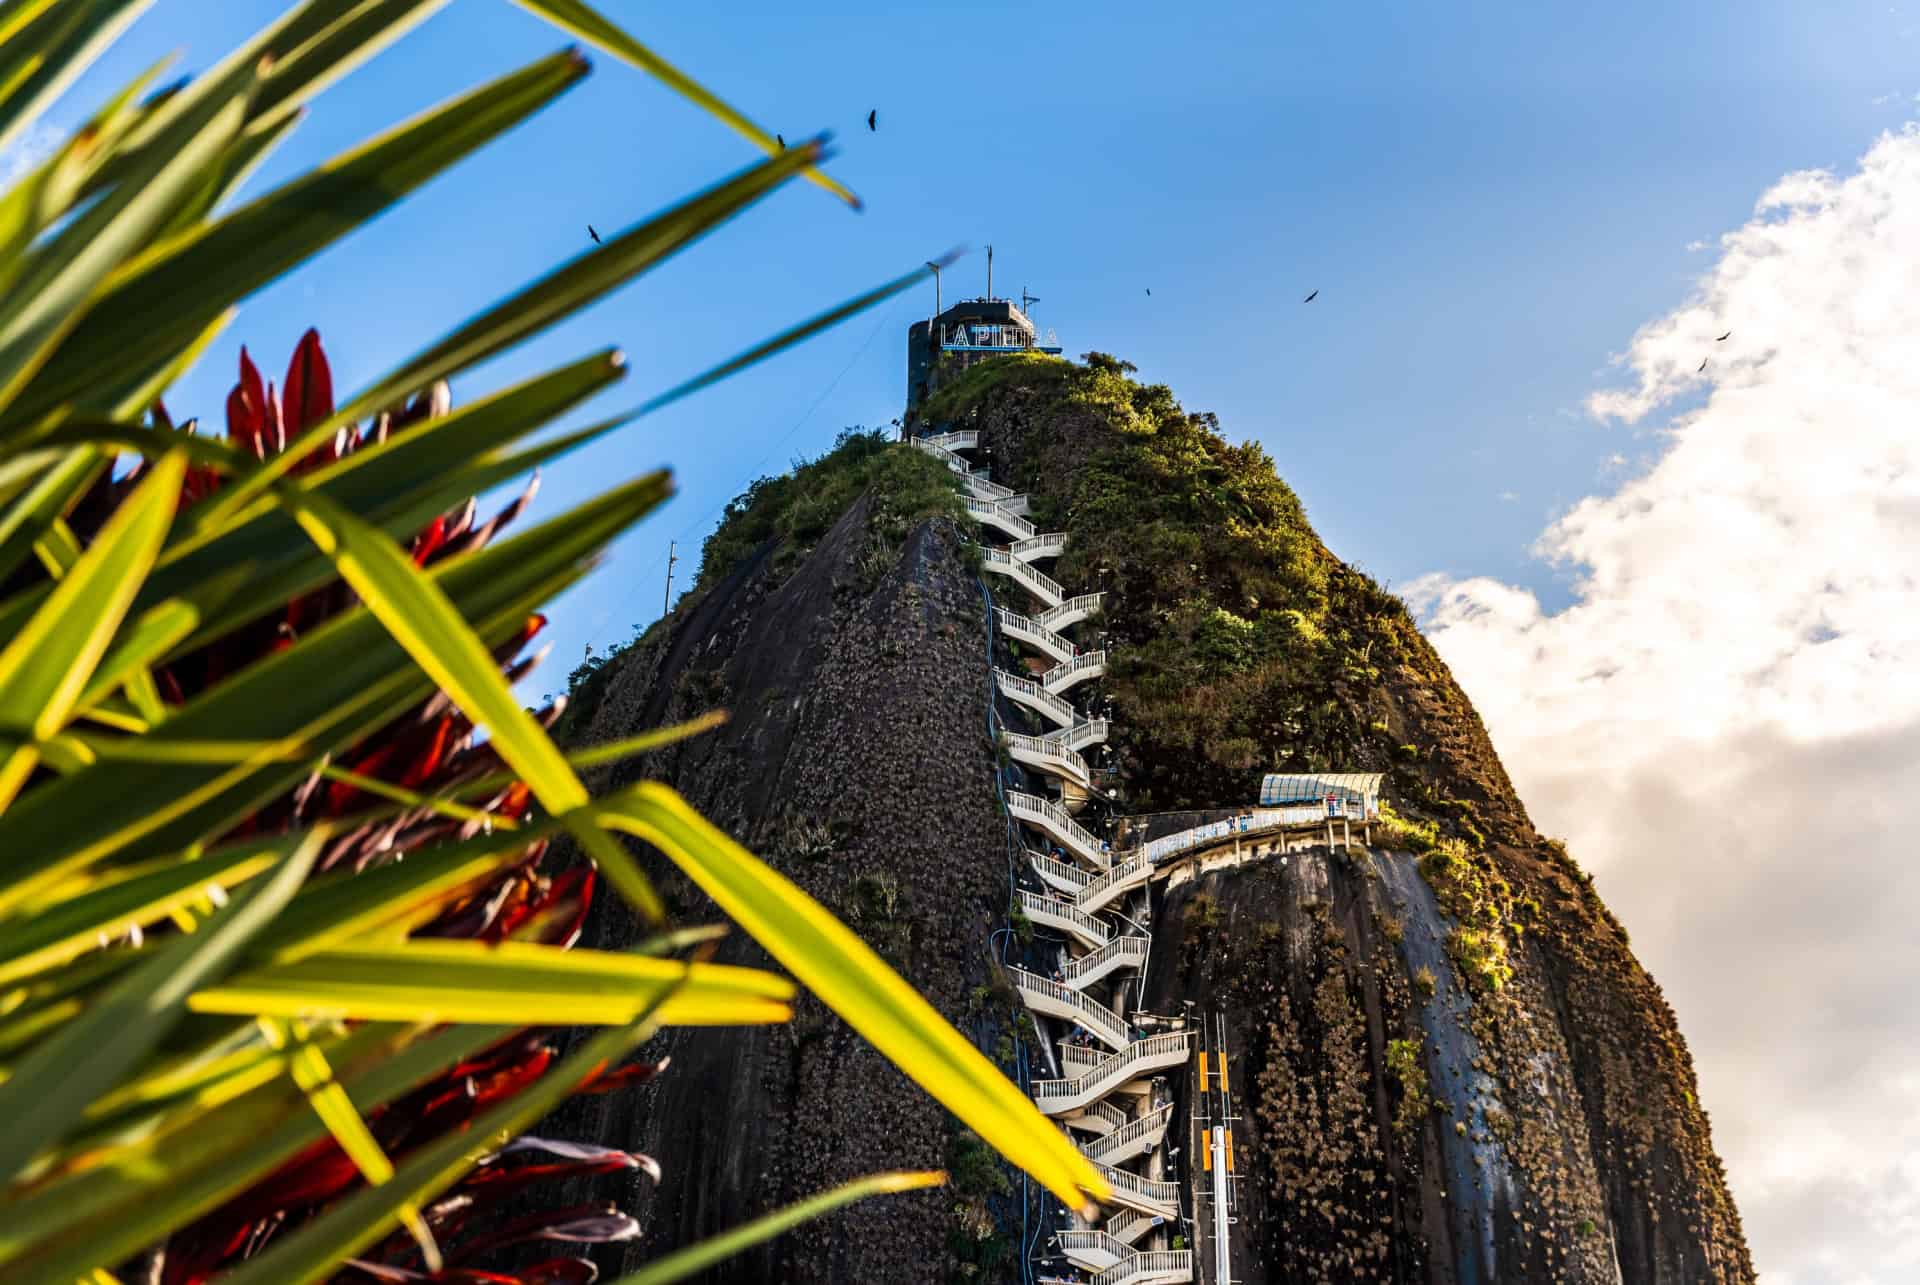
(989, 272)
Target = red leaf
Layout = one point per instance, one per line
(610, 1081)
(428, 540)
(560, 1271)
(247, 409)
(308, 398)
(563, 905)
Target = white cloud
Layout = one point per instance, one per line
(1509, 496)
(1726, 722)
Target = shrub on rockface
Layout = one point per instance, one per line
(1240, 642)
(903, 486)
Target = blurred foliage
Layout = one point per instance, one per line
(242, 677)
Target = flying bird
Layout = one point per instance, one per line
(1149, 289)
(593, 234)
(870, 117)
(1723, 338)
(1703, 365)
(1310, 298)
(782, 140)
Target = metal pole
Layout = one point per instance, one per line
(989, 272)
(1222, 1257)
(666, 599)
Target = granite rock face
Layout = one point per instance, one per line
(856, 762)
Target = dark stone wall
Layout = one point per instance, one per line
(1473, 1170)
(856, 763)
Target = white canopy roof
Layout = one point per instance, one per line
(1277, 788)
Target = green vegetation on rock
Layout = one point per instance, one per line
(1404, 1064)
(1235, 629)
(902, 486)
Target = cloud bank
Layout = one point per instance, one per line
(1725, 724)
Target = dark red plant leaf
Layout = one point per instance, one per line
(560, 1271)
(622, 1077)
(562, 906)
(429, 747)
(584, 1224)
(247, 410)
(429, 540)
(494, 1183)
(308, 398)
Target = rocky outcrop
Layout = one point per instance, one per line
(857, 763)
(1395, 1123)
(1449, 1067)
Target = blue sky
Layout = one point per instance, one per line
(1490, 198)
(1493, 201)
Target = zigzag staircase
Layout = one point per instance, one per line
(1106, 1096)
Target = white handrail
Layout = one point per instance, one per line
(981, 480)
(1163, 1266)
(1049, 545)
(993, 511)
(1065, 916)
(1151, 1125)
(1131, 1189)
(1045, 754)
(1257, 821)
(1032, 631)
(1113, 1117)
(1082, 1056)
(1053, 818)
(1089, 968)
(1145, 1188)
(940, 452)
(1127, 1225)
(1057, 1097)
(964, 439)
(1122, 876)
(1088, 664)
(1037, 698)
(1086, 1241)
(1064, 875)
(1091, 731)
(1091, 1014)
(1042, 586)
(1071, 610)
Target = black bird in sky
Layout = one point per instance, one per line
(1723, 338)
(870, 118)
(782, 140)
(1703, 365)
(1149, 289)
(593, 234)
(1310, 298)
